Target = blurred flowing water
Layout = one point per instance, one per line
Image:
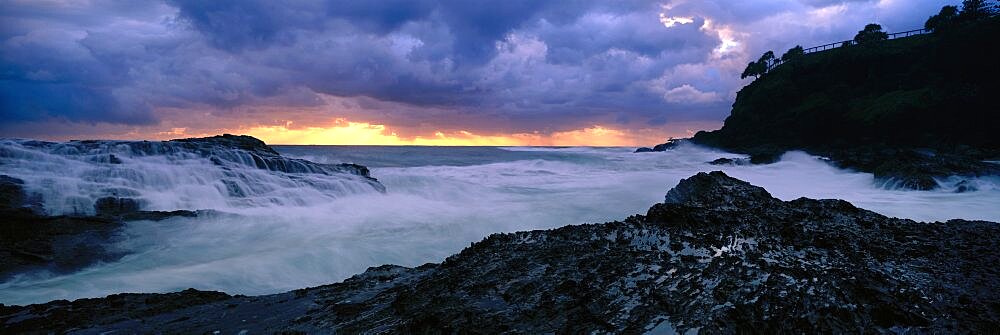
(296, 230)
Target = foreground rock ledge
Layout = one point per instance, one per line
(720, 255)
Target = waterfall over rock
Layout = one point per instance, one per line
(217, 172)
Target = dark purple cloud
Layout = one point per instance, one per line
(495, 65)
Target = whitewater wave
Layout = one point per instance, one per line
(438, 200)
(209, 173)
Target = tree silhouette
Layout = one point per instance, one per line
(750, 71)
(944, 19)
(977, 9)
(760, 67)
(872, 33)
(766, 60)
(793, 53)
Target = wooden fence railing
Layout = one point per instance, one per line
(830, 46)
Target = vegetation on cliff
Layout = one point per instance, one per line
(910, 110)
(932, 90)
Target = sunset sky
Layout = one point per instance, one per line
(401, 72)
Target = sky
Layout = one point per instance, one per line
(419, 72)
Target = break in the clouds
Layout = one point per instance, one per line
(93, 68)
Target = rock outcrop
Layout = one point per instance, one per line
(33, 240)
(670, 144)
(720, 255)
(911, 111)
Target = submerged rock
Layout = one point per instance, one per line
(720, 255)
(965, 186)
(32, 242)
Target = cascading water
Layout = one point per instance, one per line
(215, 173)
(295, 230)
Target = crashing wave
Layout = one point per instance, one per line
(219, 172)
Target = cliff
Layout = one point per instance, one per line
(909, 109)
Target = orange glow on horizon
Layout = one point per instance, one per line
(340, 131)
(363, 133)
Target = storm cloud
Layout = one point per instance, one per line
(490, 66)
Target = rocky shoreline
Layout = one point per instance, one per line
(909, 168)
(34, 240)
(719, 255)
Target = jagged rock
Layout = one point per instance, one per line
(721, 255)
(243, 142)
(119, 305)
(666, 146)
(670, 144)
(717, 191)
(910, 168)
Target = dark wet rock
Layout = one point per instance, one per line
(666, 146)
(965, 186)
(643, 149)
(121, 306)
(717, 191)
(911, 168)
(12, 193)
(254, 152)
(59, 244)
(32, 242)
(242, 142)
(231, 152)
(161, 215)
(765, 158)
(723, 161)
(720, 256)
(115, 206)
(730, 161)
(13, 196)
(670, 144)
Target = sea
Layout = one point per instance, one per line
(289, 231)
